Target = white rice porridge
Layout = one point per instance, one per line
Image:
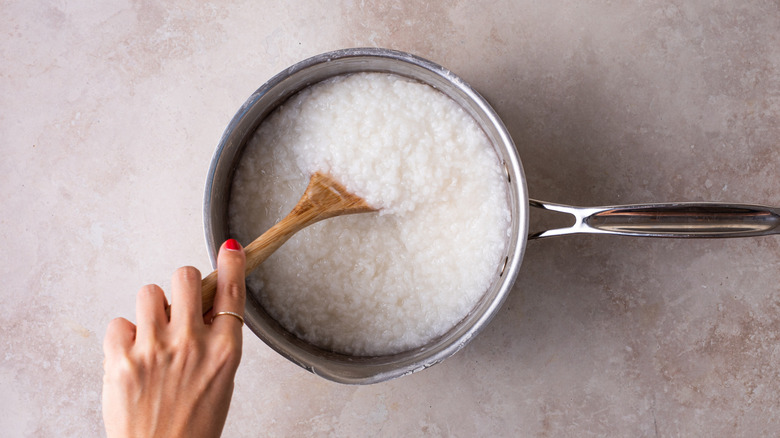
(385, 282)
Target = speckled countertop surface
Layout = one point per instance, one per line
(111, 111)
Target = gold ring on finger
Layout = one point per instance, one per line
(240, 318)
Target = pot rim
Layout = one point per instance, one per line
(338, 367)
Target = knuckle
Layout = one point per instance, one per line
(155, 356)
(115, 326)
(186, 345)
(149, 290)
(120, 333)
(122, 370)
(187, 274)
(228, 351)
(234, 290)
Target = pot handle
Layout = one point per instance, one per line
(685, 219)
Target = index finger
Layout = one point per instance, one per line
(231, 286)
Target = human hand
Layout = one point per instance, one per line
(174, 378)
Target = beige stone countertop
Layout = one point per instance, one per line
(111, 112)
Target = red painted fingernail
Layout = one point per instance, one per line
(232, 244)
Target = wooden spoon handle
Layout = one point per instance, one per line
(259, 250)
(324, 198)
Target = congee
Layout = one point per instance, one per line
(385, 282)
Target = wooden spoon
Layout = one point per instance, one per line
(324, 198)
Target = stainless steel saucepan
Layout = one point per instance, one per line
(656, 220)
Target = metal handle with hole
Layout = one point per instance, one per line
(686, 219)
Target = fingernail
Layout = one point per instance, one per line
(232, 244)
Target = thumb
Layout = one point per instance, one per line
(231, 286)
